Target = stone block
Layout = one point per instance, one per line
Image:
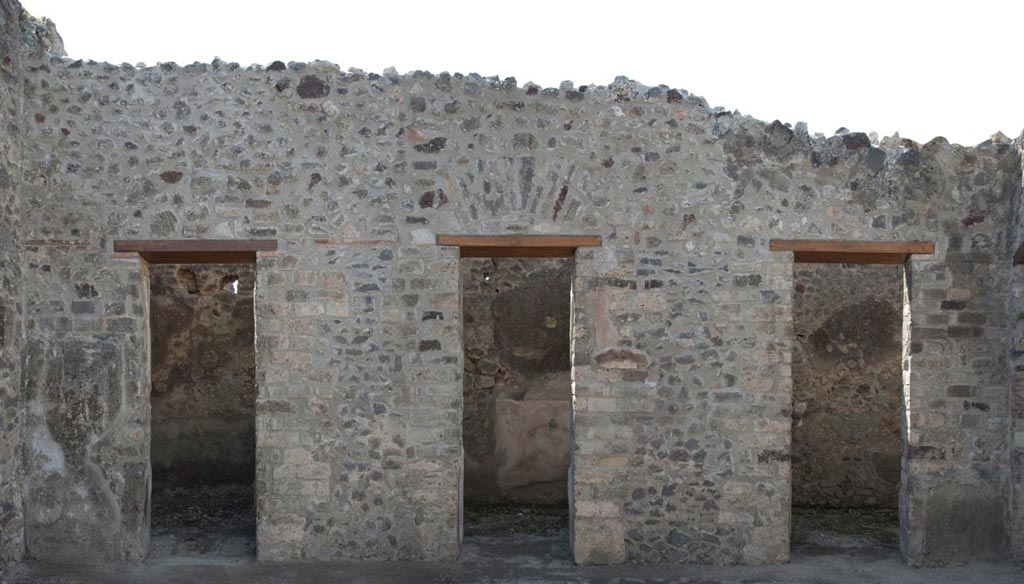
(598, 540)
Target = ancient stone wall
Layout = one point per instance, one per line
(86, 390)
(11, 515)
(682, 328)
(1016, 361)
(957, 341)
(518, 396)
(847, 385)
(1016, 507)
(359, 368)
(203, 374)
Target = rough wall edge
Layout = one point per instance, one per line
(1015, 490)
(47, 42)
(15, 19)
(39, 36)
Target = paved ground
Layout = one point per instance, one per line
(829, 548)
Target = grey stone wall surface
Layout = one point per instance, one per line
(517, 406)
(847, 385)
(1016, 507)
(22, 38)
(682, 319)
(11, 513)
(359, 409)
(945, 513)
(86, 390)
(203, 374)
(1016, 343)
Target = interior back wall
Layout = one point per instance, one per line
(847, 385)
(517, 409)
(204, 375)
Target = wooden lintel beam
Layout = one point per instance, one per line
(195, 245)
(813, 257)
(208, 257)
(851, 252)
(197, 251)
(842, 246)
(519, 246)
(517, 252)
(520, 240)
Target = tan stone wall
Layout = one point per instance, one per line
(847, 385)
(517, 401)
(203, 374)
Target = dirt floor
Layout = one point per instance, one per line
(531, 545)
(819, 532)
(494, 535)
(503, 520)
(214, 522)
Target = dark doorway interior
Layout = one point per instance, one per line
(847, 405)
(203, 409)
(517, 407)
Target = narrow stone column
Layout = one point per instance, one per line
(601, 433)
(954, 494)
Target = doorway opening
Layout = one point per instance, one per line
(203, 394)
(517, 433)
(852, 361)
(517, 405)
(203, 372)
(848, 323)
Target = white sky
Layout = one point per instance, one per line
(922, 68)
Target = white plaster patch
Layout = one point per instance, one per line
(47, 451)
(422, 236)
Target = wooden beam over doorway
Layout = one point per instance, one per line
(519, 246)
(197, 251)
(830, 251)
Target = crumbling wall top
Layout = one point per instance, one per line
(39, 36)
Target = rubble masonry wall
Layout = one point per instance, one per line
(682, 334)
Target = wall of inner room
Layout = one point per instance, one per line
(203, 375)
(517, 395)
(847, 385)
